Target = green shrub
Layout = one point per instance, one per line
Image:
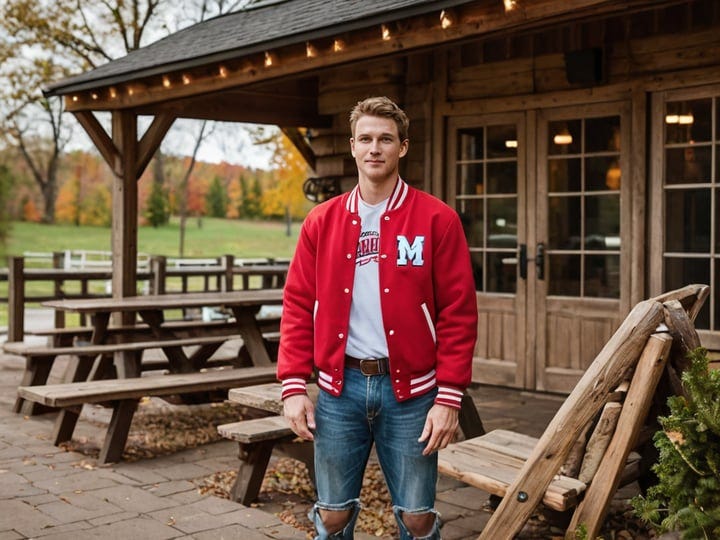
(687, 496)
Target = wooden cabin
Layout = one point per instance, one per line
(579, 141)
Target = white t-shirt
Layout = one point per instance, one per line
(366, 335)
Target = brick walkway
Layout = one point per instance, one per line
(48, 493)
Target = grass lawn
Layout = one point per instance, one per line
(209, 237)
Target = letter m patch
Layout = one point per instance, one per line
(413, 252)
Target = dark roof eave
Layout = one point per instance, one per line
(66, 86)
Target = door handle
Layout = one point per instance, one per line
(522, 260)
(540, 261)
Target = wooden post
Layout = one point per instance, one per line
(58, 261)
(158, 268)
(592, 509)
(228, 262)
(16, 299)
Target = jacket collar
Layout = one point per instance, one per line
(395, 201)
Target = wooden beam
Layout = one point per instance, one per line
(151, 140)
(251, 107)
(302, 145)
(477, 19)
(99, 137)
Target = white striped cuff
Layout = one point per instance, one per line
(293, 386)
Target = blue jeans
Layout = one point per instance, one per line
(347, 426)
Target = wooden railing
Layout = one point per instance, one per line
(163, 276)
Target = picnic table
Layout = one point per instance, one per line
(188, 378)
(259, 437)
(151, 309)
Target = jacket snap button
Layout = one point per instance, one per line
(347, 290)
(341, 336)
(391, 332)
(386, 290)
(349, 255)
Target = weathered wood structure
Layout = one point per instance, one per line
(578, 140)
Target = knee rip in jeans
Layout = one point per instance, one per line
(340, 529)
(424, 528)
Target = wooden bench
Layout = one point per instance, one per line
(586, 452)
(124, 394)
(258, 438)
(40, 359)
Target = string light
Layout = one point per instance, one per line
(310, 50)
(446, 19)
(338, 45)
(166, 81)
(510, 5)
(223, 72)
(186, 78)
(269, 60)
(74, 98)
(113, 93)
(130, 91)
(94, 95)
(385, 32)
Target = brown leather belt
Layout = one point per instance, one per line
(368, 366)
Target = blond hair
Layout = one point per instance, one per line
(383, 107)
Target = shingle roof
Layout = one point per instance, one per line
(247, 32)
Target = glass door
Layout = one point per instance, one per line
(582, 237)
(487, 183)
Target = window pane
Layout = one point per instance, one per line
(502, 141)
(602, 173)
(564, 222)
(470, 179)
(687, 221)
(602, 134)
(682, 271)
(685, 165)
(477, 265)
(471, 144)
(471, 216)
(688, 121)
(602, 276)
(563, 275)
(502, 177)
(502, 222)
(502, 272)
(602, 222)
(564, 175)
(564, 137)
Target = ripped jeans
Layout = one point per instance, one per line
(347, 426)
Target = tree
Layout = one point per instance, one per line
(5, 194)
(217, 198)
(285, 198)
(83, 34)
(158, 211)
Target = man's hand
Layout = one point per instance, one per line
(439, 430)
(300, 414)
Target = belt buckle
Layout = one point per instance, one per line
(369, 367)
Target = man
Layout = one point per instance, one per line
(380, 299)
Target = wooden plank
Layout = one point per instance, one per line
(589, 395)
(592, 509)
(30, 351)
(494, 470)
(69, 394)
(257, 429)
(599, 441)
(169, 301)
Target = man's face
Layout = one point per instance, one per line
(377, 149)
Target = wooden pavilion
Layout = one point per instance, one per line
(578, 140)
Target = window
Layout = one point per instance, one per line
(487, 200)
(583, 176)
(691, 195)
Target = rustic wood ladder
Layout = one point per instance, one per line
(635, 372)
